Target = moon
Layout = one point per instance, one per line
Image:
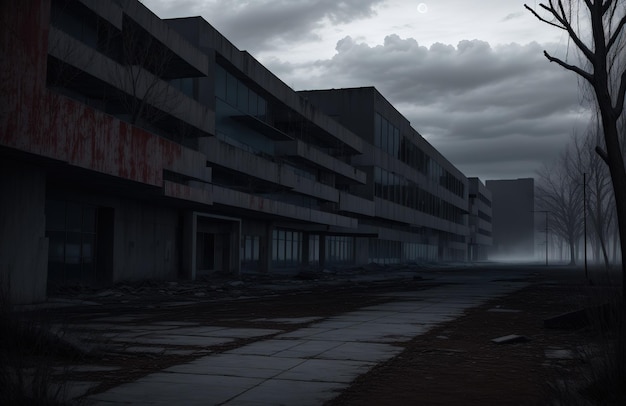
(422, 8)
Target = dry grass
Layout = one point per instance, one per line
(29, 359)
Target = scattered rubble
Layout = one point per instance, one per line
(249, 284)
(510, 339)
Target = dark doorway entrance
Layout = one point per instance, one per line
(205, 251)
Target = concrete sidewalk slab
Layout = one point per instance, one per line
(177, 389)
(307, 366)
(326, 370)
(273, 392)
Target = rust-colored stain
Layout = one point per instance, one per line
(36, 120)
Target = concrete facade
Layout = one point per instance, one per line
(140, 148)
(513, 204)
(420, 198)
(480, 220)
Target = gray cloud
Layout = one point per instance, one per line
(485, 107)
(481, 106)
(269, 24)
(513, 16)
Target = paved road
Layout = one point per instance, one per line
(302, 366)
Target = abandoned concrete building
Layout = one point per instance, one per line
(133, 147)
(480, 221)
(513, 219)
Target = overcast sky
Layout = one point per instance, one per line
(470, 76)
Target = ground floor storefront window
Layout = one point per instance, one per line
(286, 247)
(339, 249)
(71, 230)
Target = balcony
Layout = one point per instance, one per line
(300, 150)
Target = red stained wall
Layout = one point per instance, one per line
(35, 120)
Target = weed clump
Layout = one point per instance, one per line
(29, 359)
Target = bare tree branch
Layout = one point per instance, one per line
(543, 20)
(621, 93)
(565, 25)
(588, 76)
(607, 5)
(616, 33)
(602, 154)
(589, 54)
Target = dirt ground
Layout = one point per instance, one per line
(458, 364)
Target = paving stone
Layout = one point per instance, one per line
(371, 352)
(269, 347)
(272, 392)
(177, 389)
(196, 331)
(321, 370)
(333, 324)
(173, 339)
(402, 307)
(304, 332)
(244, 332)
(237, 365)
(157, 350)
(308, 349)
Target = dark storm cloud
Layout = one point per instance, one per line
(265, 24)
(476, 103)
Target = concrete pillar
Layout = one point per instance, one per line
(235, 251)
(305, 250)
(361, 250)
(265, 249)
(23, 242)
(188, 248)
(322, 251)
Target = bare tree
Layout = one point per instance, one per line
(560, 192)
(146, 62)
(600, 199)
(603, 68)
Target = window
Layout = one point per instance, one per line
(287, 247)
(220, 83)
(71, 229)
(386, 136)
(234, 92)
(314, 249)
(231, 89)
(251, 248)
(378, 131)
(242, 97)
(339, 249)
